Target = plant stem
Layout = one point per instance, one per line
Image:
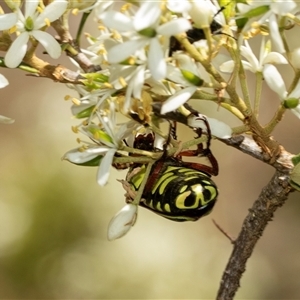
(259, 81)
(273, 196)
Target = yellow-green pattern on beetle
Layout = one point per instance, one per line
(176, 192)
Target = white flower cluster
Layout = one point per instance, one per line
(165, 52)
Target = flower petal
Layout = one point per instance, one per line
(275, 58)
(79, 157)
(51, 12)
(117, 20)
(147, 15)
(30, 8)
(179, 6)
(122, 222)
(174, 27)
(17, 50)
(120, 52)
(49, 43)
(202, 13)
(296, 111)
(277, 42)
(103, 171)
(6, 120)
(227, 66)
(295, 58)
(7, 21)
(178, 99)
(246, 51)
(218, 128)
(3, 81)
(156, 62)
(274, 80)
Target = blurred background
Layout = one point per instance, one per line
(54, 216)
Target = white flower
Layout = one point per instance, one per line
(30, 25)
(107, 139)
(133, 76)
(122, 222)
(188, 76)
(89, 99)
(252, 63)
(276, 8)
(143, 30)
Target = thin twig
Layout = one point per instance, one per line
(232, 240)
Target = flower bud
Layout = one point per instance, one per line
(202, 13)
(291, 103)
(122, 222)
(295, 58)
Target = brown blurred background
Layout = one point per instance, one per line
(54, 216)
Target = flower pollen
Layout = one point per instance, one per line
(47, 22)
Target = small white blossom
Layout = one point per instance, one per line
(133, 76)
(276, 8)
(141, 31)
(122, 222)
(186, 75)
(30, 25)
(252, 63)
(107, 140)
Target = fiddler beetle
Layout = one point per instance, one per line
(176, 189)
